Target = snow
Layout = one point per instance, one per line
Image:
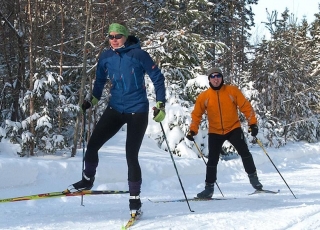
(298, 163)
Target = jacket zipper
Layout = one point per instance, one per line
(220, 112)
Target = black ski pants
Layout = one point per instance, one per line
(215, 142)
(109, 124)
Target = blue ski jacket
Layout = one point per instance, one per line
(126, 68)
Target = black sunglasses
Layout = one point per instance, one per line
(215, 75)
(117, 36)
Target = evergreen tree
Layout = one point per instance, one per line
(315, 35)
(231, 22)
(283, 80)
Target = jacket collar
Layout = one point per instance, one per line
(218, 87)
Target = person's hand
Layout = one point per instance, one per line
(159, 112)
(254, 130)
(87, 104)
(190, 135)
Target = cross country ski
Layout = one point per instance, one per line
(61, 194)
(133, 219)
(189, 199)
(264, 191)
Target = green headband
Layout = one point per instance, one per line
(116, 27)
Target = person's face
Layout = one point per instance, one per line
(115, 40)
(215, 79)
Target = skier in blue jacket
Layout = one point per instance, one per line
(125, 65)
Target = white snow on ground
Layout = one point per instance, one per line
(298, 163)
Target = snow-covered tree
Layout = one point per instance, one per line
(286, 88)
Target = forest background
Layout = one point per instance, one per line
(49, 50)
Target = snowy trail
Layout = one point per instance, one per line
(308, 222)
(298, 163)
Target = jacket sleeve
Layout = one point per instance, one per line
(155, 75)
(196, 114)
(245, 107)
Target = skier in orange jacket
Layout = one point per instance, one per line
(221, 103)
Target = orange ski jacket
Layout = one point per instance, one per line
(221, 107)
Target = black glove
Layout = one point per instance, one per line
(190, 135)
(254, 130)
(86, 105)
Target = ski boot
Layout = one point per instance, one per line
(86, 183)
(207, 192)
(135, 205)
(254, 181)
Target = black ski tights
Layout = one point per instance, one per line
(108, 125)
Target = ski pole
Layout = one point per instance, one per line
(260, 144)
(174, 164)
(206, 163)
(83, 146)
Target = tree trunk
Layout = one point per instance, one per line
(31, 73)
(83, 79)
(61, 64)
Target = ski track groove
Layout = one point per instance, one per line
(308, 222)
